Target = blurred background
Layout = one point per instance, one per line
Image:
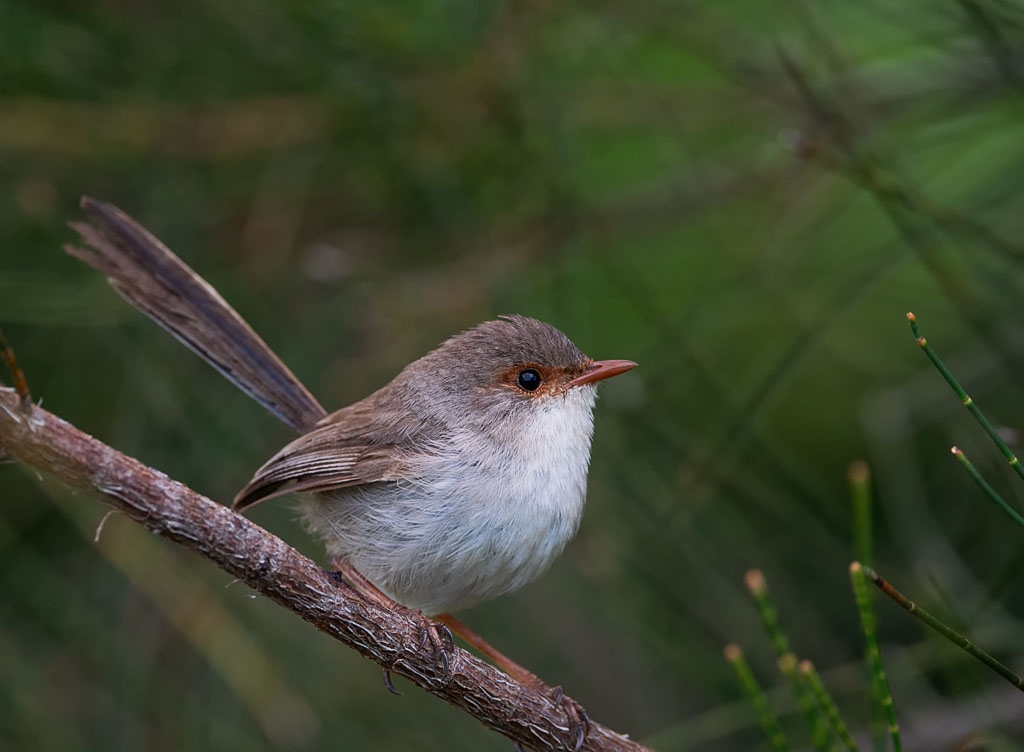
(743, 197)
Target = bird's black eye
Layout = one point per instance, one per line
(528, 379)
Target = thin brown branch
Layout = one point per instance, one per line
(246, 551)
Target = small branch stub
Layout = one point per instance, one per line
(17, 375)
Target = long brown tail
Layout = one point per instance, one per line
(150, 277)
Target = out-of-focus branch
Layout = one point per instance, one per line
(43, 441)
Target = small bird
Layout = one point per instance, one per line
(462, 479)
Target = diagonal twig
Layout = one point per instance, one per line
(950, 634)
(41, 440)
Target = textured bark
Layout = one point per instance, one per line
(263, 561)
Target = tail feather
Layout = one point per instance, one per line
(150, 277)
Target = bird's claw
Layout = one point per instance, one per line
(446, 636)
(579, 721)
(442, 642)
(388, 685)
(432, 633)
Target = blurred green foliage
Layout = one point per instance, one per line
(743, 197)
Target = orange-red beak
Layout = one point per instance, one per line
(599, 370)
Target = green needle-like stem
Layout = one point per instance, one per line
(813, 714)
(984, 485)
(953, 636)
(827, 704)
(964, 397)
(861, 593)
(769, 725)
(859, 475)
(757, 586)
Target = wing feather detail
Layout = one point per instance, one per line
(357, 445)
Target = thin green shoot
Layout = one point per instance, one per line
(859, 475)
(821, 736)
(964, 397)
(827, 704)
(984, 485)
(765, 717)
(757, 586)
(862, 595)
(953, 636)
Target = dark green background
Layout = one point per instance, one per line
(743, 197)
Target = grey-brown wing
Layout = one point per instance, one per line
(362, 443)
(312, 470)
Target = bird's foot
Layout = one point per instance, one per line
(579, 721)
(434, 634)
(440, 639)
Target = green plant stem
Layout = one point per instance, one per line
(816, 719)
(827, 704)
(859, 475)
(953, 636)
(964, 397)
(867, 620)
(769, 724)
(984, 485)
(757, 586)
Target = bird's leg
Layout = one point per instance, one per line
(438, 635)
(579, 723)
(363, 586)
(499, 659)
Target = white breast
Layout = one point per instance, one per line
(482, 518)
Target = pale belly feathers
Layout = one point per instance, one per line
(463, 531)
